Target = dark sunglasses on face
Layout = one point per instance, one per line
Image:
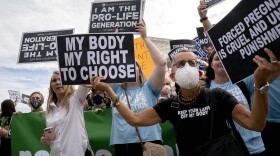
(182, 63)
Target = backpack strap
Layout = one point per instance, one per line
(245, 91)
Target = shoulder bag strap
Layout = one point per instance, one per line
(136, 128)
(212, 106)
(245, 91)
(233, 128)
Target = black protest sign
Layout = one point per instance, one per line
(174, 51)
(107, 16)
(189, 44)
(40, 46)
(25, 98)
(212, 3)
(250, 27)
(108, 55)
(179, 45)
(14, 95)
(205, 44)
(200, 52)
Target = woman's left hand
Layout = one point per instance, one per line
(266, 71)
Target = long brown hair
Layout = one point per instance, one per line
(7, 108)
(210, 74)
(53, 98)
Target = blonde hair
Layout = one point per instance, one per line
(53, 98)
(142, 77)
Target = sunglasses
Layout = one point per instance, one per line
(182, 63)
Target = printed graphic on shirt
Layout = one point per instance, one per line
(137, 102)
(194, 112)
(238, 94)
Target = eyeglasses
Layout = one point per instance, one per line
(167, 83)
(182, 63)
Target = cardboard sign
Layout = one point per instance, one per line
(40, 46)
(143, 57)
(25, 98)
(212, 3)
(107, 16)
(108, 55)
(250, 27)
(14, 95)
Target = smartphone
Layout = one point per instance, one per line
(50, 133)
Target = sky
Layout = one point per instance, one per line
(171, 19)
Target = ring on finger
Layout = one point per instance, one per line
(274, 61)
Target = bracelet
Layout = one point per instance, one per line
(116, 102)
(203, 19)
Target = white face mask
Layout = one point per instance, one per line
(187, 77)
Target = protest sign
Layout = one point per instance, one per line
(250, 27)
(108, 55)
(201, 53)
(205, 43)
(25, 98)
(189, 44)
(14, 95)
(178, 45)
(40, 46)
(107, 16)
(143, 57)
(26, 139)
(212, 3)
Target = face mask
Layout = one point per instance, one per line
(35, 104)
(187, 77)
(97, 99)
(168, 87)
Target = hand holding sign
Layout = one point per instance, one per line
(202, 6)
(97, 83)
(141, 27)
(266, 71)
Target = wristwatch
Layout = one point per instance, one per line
(263, 89)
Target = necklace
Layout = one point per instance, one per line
(187, 101)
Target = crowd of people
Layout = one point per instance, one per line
(140, 106)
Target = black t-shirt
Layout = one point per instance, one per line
(5, 146)
(192, 122)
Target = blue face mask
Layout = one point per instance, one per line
(97, 99)
(35, 104)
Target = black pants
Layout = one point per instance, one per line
(132, 149)
(271, 137)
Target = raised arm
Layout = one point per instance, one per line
(203, 15)
(158, 74)
(145, 118)
(256, 119)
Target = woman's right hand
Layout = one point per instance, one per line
(202, 5)
(96, 83)
(45, 141)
